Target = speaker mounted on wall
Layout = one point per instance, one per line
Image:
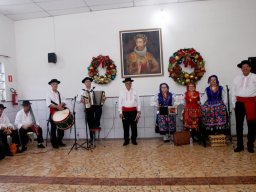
(253, 61)
(52, 58)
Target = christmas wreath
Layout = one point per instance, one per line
(104, 62)
(188, 57)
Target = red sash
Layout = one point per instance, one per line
(52, 110)
(250, 107)
(129, 109)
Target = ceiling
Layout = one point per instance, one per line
(31, 9)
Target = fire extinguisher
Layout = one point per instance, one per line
(14, 96)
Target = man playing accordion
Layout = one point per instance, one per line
(93, 109)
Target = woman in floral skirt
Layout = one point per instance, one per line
(165, 122)
(214, 110)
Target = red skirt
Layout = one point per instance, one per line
(191, 116)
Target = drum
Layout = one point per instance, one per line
(63, 119)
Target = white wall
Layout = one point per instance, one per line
(7, 47)
(223, 31)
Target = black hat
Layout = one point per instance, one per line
(26, 103)
(244, 62)
(87, 78)
(54, 81)
(2, 106)
(127, 79)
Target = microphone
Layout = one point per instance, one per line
(74, 98)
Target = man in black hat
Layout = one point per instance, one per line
(93, 110)
(6, 128)
(55, 102)
(129, 109)
(244, 100)
(25, 121)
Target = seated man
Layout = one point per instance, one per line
(25, 121)
(6, 128)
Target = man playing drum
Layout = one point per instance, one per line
(92, 108)
(25, 122)
(6, 128)
(56, 102)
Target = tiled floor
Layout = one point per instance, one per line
(149, 166)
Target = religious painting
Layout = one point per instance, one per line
(141, 53)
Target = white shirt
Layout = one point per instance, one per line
(128, 99)
(54, 96)
(244, 86)
(23, 119)
(5, 122)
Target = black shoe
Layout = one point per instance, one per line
(20, 150)
(24, 149)
(238, 149)
(126, 143)
(250, 150)
(134, 143)
(40, 146)
(9, 154)
(55, 146)
(62, 145)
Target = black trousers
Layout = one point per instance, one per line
(24, 137)
(56, 134)
(93, 116)
(240, 114)
(15, 139)
(129, 121)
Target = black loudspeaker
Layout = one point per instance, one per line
(253, 61)
(52, 58)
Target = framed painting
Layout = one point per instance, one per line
(141, 53)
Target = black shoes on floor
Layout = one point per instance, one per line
(239, 149)
(127, 142)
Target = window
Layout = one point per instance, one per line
(2, 83)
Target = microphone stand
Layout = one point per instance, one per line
(229, 114)
(88, 147)
(48, 130)
(75, 145)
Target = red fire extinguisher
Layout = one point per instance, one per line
(14, 96)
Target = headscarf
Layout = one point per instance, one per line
(217, 80)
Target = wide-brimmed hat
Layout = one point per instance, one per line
(26, 103)
(87, 78)
(2, 106)
(54, 81)
(244, 62)
(127, 79)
